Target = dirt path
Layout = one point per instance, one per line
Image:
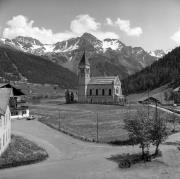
(74, 159)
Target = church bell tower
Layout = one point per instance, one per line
(83, 78)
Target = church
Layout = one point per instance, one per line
(100, 90)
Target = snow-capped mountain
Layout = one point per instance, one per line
(157, 53)
(109, 56)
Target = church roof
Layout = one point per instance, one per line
(5, 94)
(84, 60)
(103, 80)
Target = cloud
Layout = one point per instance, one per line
(109, 21)
(176, 36)
(22, 26)
(124, 25)
(84, 23)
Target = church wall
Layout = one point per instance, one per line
(100, 97)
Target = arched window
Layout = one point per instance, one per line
(103, 92)
(117, 90)
(90, 92)
(96, 92)
(109, 92)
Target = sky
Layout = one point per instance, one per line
(150, 24)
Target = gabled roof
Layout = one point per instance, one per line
(150, 100)
(103, 80)
(3, 84)
(176, 89)
(16, 91)
(5, 94)
(84, 61)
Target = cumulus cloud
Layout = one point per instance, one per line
(84, 23)
(124, 25)
(176, 36)
(109, 21)
(22, 26)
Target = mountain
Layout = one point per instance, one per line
(157, 53)
(17, 65)
(107, 57)
(164, 71)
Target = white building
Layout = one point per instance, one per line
(103, 90)
(5, 118)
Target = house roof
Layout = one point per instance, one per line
(150, 100)
(103, 80)
(5, 94)
(3, 84)
(84, 60)
(176, 89)
(16, 91)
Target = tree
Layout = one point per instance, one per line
(137, 128)
(158, 130)
(67, 96)
(144, 130)
(72, 97)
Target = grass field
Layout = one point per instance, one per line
(81, 119)
(21, 152)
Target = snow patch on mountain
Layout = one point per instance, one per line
(114, 44)
(157, 53)
(48, 48)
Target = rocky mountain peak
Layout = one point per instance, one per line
(157, 53)
(26, 40)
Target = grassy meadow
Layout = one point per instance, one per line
(81, 119)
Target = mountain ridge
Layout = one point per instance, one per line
(123, 60)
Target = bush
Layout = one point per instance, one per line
(21, 152)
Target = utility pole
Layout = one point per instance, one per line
(59, 121)
(97, 128)
(156, 111)
(148, 102)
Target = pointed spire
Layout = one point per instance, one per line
(84, 60)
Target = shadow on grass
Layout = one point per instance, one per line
(176, 143)
(122, 142)
(125, 160)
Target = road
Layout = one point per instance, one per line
(70, 158)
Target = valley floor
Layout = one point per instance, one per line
(73, 159)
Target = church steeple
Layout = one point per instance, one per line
(84, 61)
(83, 78)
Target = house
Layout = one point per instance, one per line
(18, 106)
(5, 118)
(150, 100)
(102, 90)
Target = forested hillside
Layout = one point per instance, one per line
(165, 70)
(17, 65)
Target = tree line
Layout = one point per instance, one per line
(165, 70)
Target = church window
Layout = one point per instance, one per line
(117, 90)
(96, 92)
(103, 92)
(90, 92)
(109, 92)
